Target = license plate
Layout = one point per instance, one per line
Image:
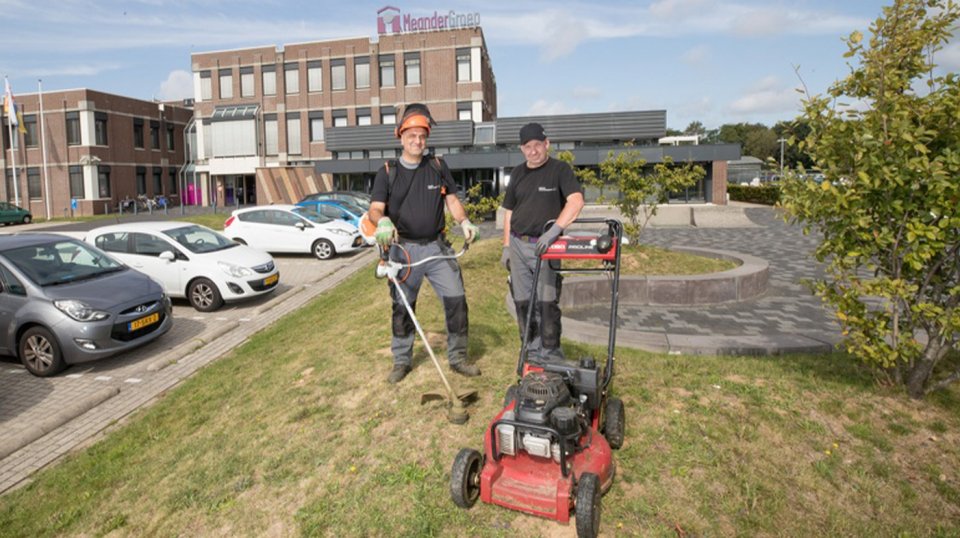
(271, 279)
(143, 322)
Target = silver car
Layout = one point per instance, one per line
(63, 302)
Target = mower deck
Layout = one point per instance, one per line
(536, 485)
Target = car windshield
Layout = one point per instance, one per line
(199, 239)
(61, 262)
(310, 214)
(357, 211)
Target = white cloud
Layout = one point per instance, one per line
(948, 58)
(767, 96)
(179, 85)
(697, 55)
(542, 107)
(586, 92)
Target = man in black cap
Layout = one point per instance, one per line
(540, 190)
(408, 200)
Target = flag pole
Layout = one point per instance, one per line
(11, 118)
(43, 150)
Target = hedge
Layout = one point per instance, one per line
(768, 194)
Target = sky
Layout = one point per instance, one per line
(712, 61)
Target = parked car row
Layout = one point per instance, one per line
(65, 301)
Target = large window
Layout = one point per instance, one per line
(338, 74)
(463, 65)
(233, 131)
(291, 78)
(30, 138)
(316, 126)
(154, 134)
(76, 182)
(293, 134)
(388, 77)
(206, 86)
(73, 129)
(138, 133)
(157, 180)
(361, 71)
(174, 183)
(33, 183)
(339, 118)
(246, 81)
(141, 180)
(269, 79)
(100, 128)
(314, 76)
(103, 181)
(226, 84)
(464, 111)
(388, 115)
(363, 116)
(171, 139)
(270, 144)
(411, 68)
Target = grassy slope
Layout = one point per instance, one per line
(298, 433)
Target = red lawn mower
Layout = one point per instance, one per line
(549, 451)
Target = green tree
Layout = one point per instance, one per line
(793, 132)
(887, 208)
(641, 190)
(756, 139)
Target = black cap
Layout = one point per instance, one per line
(532, 131)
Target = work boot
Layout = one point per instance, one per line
(465, 369)
(399, 372)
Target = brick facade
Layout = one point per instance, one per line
(119, 155)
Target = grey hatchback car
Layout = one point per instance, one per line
(63, 302)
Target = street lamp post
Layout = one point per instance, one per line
(781, 140)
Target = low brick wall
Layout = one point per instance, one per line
(741, 283)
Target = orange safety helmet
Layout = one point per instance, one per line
(415, 115)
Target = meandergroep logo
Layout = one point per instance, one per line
(388, 20)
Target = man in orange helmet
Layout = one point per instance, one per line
(408, 200)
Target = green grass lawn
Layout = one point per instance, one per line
(298, 433)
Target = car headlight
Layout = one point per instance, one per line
(340, 231)
(80, 311)
(233, 270)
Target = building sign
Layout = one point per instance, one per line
(391, 21)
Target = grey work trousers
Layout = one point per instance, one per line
(447, 281)
(544, 339)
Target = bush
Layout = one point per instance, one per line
(768, 194)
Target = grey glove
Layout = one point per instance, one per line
(505, 258)
(547, 239)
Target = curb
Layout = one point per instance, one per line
(11, 444)
(187, 348)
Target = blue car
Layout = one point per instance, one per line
(339, 210)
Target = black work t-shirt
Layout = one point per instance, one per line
(538, 195)
(415, 201)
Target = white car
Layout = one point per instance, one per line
(289, 228)
(190, 261)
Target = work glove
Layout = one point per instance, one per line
(505, 258)
(547, 239)
(385, 233)
(470, 230)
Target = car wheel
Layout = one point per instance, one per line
(465, 477)
(238, 240)
(27, 219)
(614, 422)
(40, 352)
(323, 249)
(588, 506)
(204, 295)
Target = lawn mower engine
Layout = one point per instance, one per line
(543, 399)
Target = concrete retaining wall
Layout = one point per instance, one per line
(741, 283)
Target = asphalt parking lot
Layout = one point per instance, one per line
(44, 418)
